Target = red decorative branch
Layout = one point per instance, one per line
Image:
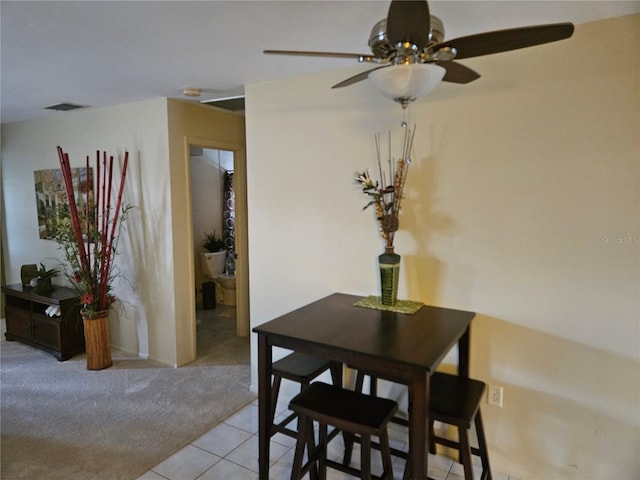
(88, 209)
(103, 233)
(98, 188)
(73, 209)
(118, 204)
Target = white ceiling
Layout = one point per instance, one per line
(100, 53)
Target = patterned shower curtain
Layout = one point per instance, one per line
(229, 223)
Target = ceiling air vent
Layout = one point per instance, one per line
(234, 104)
(64, 107)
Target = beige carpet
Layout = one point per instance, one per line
(61, 421)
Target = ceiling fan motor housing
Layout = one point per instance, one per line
(382, 48)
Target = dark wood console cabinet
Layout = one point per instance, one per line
(28, 322)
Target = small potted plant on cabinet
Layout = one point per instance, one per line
(43, 280)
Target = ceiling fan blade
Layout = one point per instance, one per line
(457, 73)
(409, 21)
(357, 56)
(357, 78)
(505, 40)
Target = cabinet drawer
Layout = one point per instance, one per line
(17, 302)
(18, 322)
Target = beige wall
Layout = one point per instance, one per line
(522, 204)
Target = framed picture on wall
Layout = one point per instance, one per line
(51, 200)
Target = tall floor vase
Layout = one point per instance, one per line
(389, 263)
(97, 341)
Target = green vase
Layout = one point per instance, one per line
(389, 263)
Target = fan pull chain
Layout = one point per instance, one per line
(406, 112)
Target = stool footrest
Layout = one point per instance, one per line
(400, 421)
(281, 428)
(376, 446)
(453, 444)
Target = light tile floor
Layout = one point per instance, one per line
(230, 452)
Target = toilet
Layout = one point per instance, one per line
(225, 289)
(213, 266)
(213, 263)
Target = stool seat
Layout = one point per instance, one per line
(348, 411)
(344, 409)
(301, 368)
(455, 400)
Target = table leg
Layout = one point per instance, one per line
(419, 427)
(336, 374)
(264, 406)
(463, 353)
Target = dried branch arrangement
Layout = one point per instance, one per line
(386, 193)
(90, 234)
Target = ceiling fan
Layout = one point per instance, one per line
(409, 45)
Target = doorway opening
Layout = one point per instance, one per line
(213, 222)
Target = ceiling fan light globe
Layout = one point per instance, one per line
(405, 83)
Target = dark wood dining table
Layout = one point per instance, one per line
(403, 348)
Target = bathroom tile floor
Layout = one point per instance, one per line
(229, 451)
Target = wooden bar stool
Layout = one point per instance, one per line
(455, 401)
(300, 368)
(347, 411)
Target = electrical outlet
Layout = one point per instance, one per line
(495, 395)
